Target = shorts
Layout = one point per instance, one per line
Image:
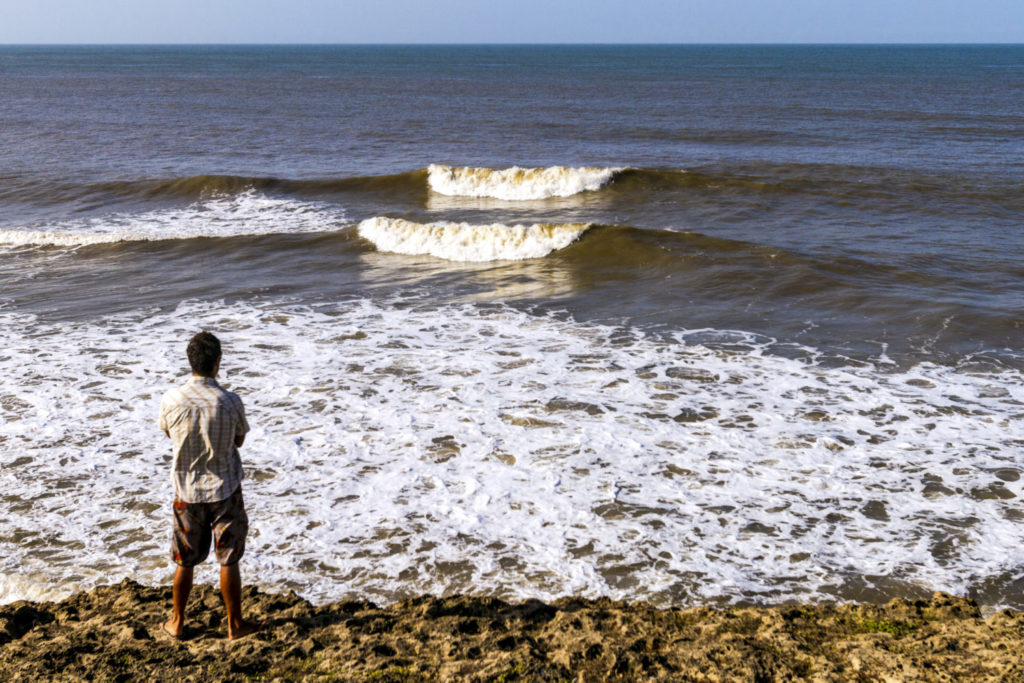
(195, 523)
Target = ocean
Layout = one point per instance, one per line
(682, 324)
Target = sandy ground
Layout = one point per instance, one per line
(113, 633)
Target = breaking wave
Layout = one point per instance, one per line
(913, 190)
(466, 242)
(517, 183)
(248, 213)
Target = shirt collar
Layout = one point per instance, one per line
(208, 381)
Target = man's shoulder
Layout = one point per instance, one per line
(172, 396)
(227, 397)
(200, 393)
(232, 397)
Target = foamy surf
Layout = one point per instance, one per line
(468, 242)
(248, 213)
(400, 449)
(517, 183)
(18, 586)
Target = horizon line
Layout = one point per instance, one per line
(521, 44)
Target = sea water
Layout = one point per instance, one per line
(680, 324)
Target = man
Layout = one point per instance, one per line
(207, 426)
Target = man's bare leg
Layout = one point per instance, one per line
(182, 587)
(231, 591)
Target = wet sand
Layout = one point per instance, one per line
(113, 633)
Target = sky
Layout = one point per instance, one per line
(508, 21)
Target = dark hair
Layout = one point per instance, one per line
(203, 353)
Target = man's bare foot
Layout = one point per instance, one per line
(243, 628)
(173, 627)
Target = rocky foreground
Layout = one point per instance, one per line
(113, 633)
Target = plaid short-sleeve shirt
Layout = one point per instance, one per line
(203, 420)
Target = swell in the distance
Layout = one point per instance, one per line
(866, 186)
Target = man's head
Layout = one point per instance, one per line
(204, 354)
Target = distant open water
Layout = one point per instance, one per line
(682, 324)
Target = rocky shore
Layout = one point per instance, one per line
(113, 633)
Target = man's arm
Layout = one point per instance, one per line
(161, 421)
(242, 426)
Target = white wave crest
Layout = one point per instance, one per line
(467, 242)
(15, 587)
(517, 183)
(248, 213)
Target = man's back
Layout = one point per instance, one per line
(203, 421)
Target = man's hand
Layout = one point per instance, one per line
(239, 440)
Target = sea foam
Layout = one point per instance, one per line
(401, 448)
(467, 242)
(517, 183)
(247, 213)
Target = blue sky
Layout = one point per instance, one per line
(508, 21)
